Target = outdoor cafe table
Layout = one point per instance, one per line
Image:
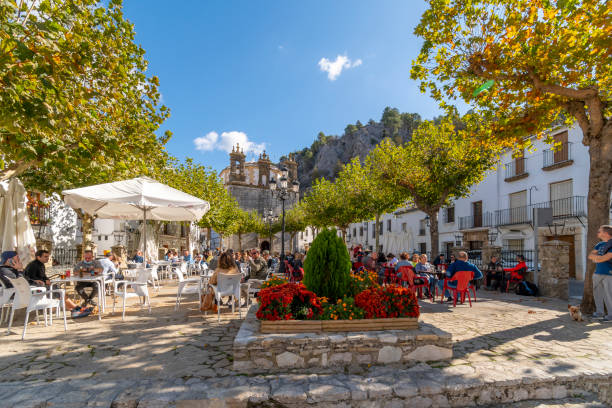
(97, 279)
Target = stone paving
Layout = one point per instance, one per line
(529, 349)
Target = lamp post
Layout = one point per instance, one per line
(283, 192)
(269, 218)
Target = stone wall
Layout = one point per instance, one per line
(258, 353)
(553, 279)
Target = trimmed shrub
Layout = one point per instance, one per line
(328, 266)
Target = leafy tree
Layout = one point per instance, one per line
(328, 205)
(359, 124)
(296, 220)
(247, 222)
(438, 165)
(203, 182)
(391, 119)
(541, 61)
(75, 105)
(365, 188)
(350, 129)
(327, 266)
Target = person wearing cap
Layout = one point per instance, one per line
(10, 267)
(87, 265)
(108, 266)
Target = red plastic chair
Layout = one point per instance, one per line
(463, 279)
(408, 276)
(515, 277)
(390, 275)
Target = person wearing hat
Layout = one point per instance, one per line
(109, 268)
(10, 267)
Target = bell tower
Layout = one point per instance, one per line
(292, 167)
(263, 165)
(237, 172)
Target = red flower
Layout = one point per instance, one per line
(282, 300)
(388, 301)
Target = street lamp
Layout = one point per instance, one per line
(270, 218)
(283, 191)
(492, 236)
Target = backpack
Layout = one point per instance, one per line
(525, 288)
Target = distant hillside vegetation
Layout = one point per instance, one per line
(327, 154)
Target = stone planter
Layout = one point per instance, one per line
(317, 326)
(335, 348)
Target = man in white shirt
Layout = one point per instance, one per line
(108, 266)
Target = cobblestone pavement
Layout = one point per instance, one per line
(530, 348)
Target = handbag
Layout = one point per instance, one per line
(208, 301)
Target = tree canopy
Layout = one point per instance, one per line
(439, 165)
(525, 66)
(76, 106)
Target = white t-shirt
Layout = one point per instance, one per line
(107, 266)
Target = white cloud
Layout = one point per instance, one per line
(334, 68)
(212, 141)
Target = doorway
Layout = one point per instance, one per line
(264, 246)
(570, 239)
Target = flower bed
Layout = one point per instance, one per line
(291, 308)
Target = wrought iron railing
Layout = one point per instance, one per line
(561, 154)
(484, 220)
(516, 167)
(65, 256)
(562, 208)
(508, 257)
(39, 214)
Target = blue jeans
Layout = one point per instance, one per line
(450, 284)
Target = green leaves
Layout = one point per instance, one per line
(483, 87)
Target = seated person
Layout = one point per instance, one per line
(36, 274)
(258, 267)
(109, 267)
(494, 274)
(403, 261)
(425, 269)
(518, 272)
(227, 266)
(138, 257)
(440, 262)
(10, 267)
(186, 256)
(392, 260)
(88, 266)
(461, 264)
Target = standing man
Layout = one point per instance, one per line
(88, 266)
(602, 279)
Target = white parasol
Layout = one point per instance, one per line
(141, 198)
(15, 229)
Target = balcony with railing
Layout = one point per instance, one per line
(515, 170)
(476, 221)
(563, 208)
(558, 157)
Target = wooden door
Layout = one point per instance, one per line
(572, 252)
(562, 151)
(560, 197)
(477, 212)
(518, 207)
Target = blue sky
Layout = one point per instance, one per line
(252, 70)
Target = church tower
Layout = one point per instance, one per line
(237, 171)
(292, 167)
(263, 165)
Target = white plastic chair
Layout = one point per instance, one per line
(154, 277)
(227, 285)
(186, 286)
(33, 299)
(5, 301)
(139, 287)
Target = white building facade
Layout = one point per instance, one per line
(499, 210)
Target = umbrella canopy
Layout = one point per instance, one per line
(141, 198)
(129, 199)
(15, 229)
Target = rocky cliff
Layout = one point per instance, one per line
(325, 157)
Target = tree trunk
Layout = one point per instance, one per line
(293, 234)
(240, 241)
(15, 169)
(433, 233)
(209, 237)
(188, 236)
(88, 223)
(598, 205)
(376, 231)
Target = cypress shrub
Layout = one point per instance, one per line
(328, 266)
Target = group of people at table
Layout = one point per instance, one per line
(416, 270)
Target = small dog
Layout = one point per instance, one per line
(575, 312)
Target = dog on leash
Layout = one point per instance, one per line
(575, 312)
